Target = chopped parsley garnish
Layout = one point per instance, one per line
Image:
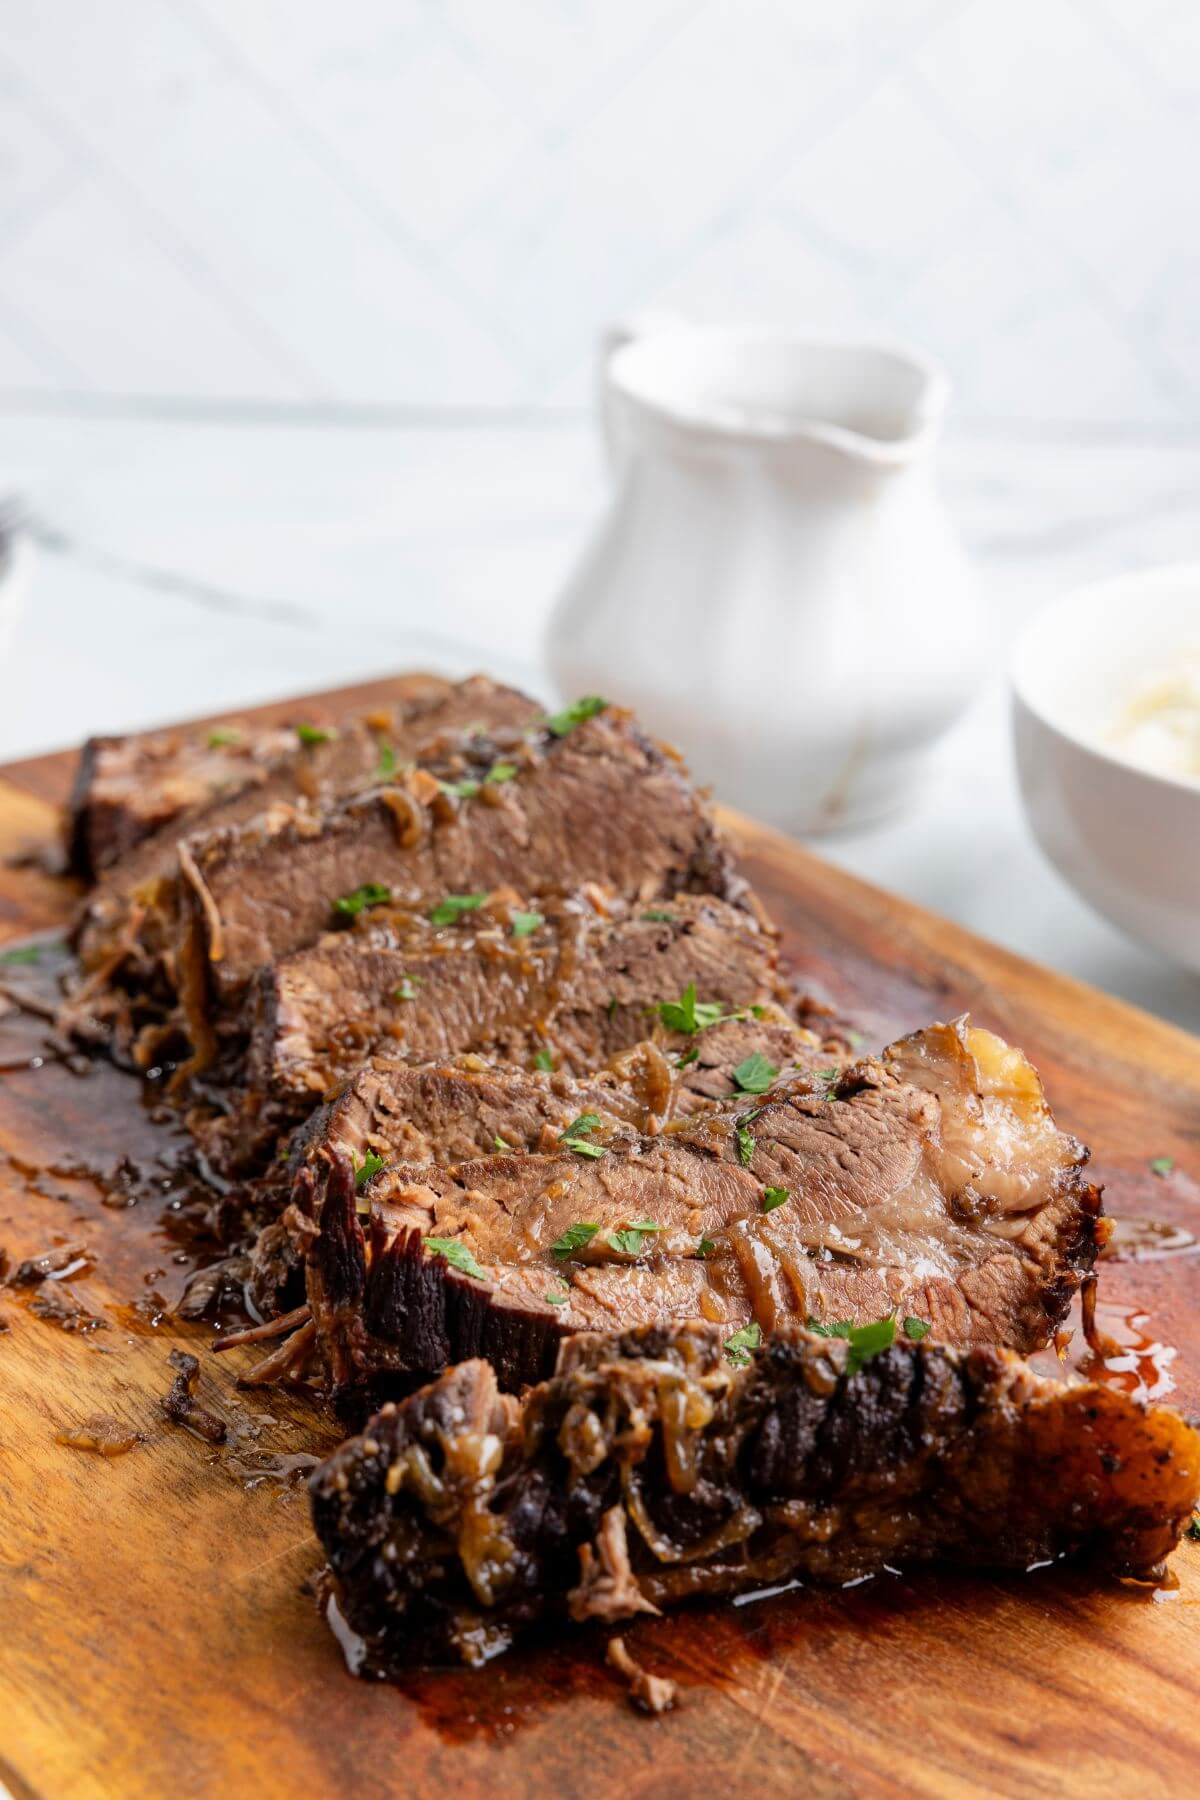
(387, 762)
(498, 1143)
(855, 1039)
(406, 991)
(500, 771)
(916, 1329)
(689, 1014)
(559, 1299)
(462, 790)
(658, 918)
(755, 1075)
(773, 1197)
(739, 1346)
(1162, 1165)
(705, 1247)
(222, 736)
(371, 893)
(315, 734)
(745, 1147)
(525, 922)
(1193, 1530)
(456, 1254)
(630, 1240)
(564, 722)
(830, 1077)
(867, 1341)
(543, 1060)
(582, 1126)
(835, 1328)
(576, 1134)
(25, 953)
(688, 1056)
(363, 1171)
(454, 906)
(574, 1238)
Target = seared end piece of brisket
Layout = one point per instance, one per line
(933, 1180)
(554, 980)
(649, 1471)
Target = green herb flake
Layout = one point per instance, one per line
(705, 1247)
(500, 771)
(689, 1014)
(387, 762)
(574, 1238)
(774, 1197)
(582, 1126)
(543, 1060)
(523, 923)
(630, 1240)
(830, 1076)
(835, 1328)
(454, 906)
(563, 723)
(745, 1147)
(315, 734)
(371, 893)
(581, 1147)
(867, 1341)
(755, 1075)
(498, 1143)
(1162, 1165)
(222, 737)
(739, 1347)
(688, 1056)
(407, 989)
(1193, 1530)
(462, 790)
(363, 1171)
(916, 1329)
(658, 918)
(456, 1254)
(24, 953)
(558, 1299)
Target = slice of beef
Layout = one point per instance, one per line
(451, 1112)
(128, 788)
(128, 782)
(649, 1471)
(933, 1180)
(575, 990)
(600, 803)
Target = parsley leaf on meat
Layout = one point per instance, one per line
(739, 1346)
(773, 1197)
(574, 1238)
(564, 722)
(456, 1254)
(525, 922)
(315, 734)
(755, 1075)
(454, 906)
(371, 893)
(363, 1171)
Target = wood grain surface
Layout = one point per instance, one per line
(157, 1635)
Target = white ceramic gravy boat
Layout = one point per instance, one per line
(776, 586)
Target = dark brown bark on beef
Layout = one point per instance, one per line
(934, 1182)
(649, 1472)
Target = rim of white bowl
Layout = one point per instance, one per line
(1162, 577)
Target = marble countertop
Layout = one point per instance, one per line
(187, 564)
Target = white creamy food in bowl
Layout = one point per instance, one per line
(1106, 717)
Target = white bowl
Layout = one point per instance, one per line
(1127, 839)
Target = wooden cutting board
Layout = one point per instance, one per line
(156, 1633)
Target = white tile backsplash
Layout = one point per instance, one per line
(395, 203)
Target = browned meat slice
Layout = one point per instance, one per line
(932, 1181)
(127, 783)
(600, 803)
(555, 981)
(649, 1471)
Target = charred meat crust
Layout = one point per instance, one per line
(647, 1472)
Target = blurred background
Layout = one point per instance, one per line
(299, 308)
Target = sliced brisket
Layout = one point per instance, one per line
(575, 990)
(649, 1471)
(932, 1180)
